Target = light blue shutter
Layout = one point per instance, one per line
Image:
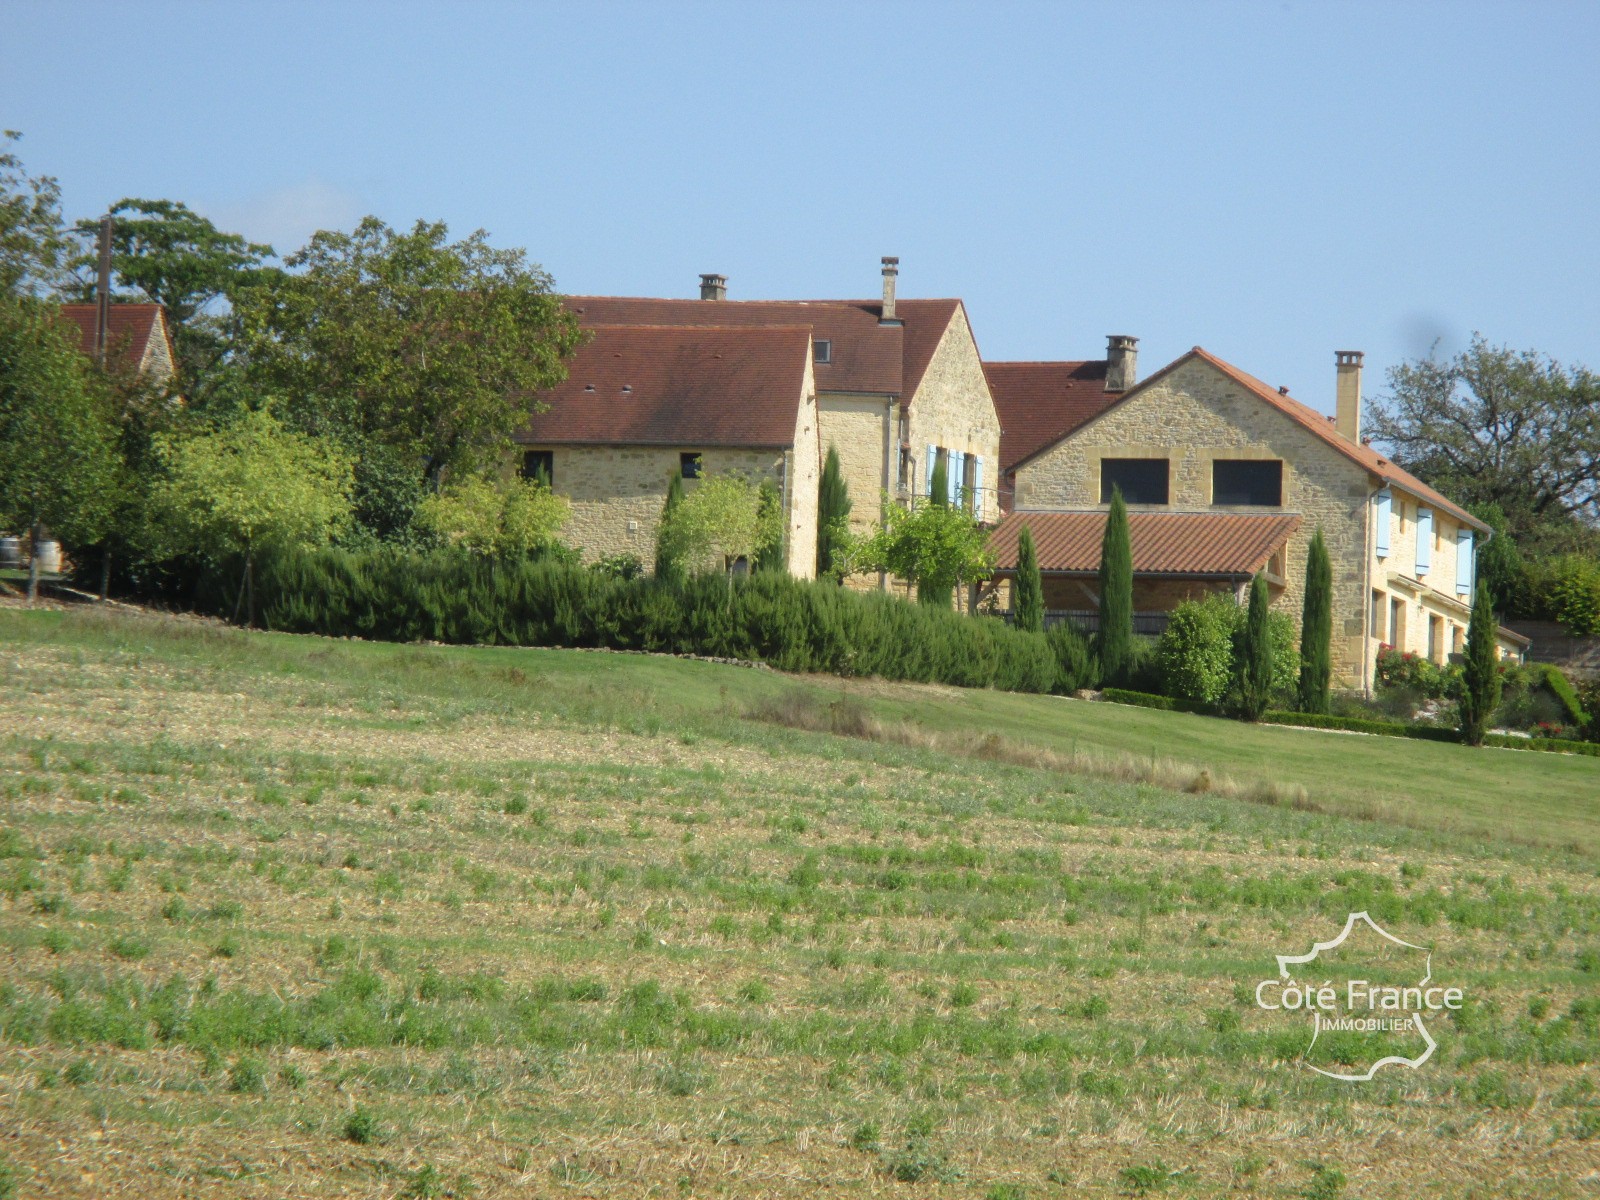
(977, 488)
(1424, 541)
(1382, 521)
(933, 461)
(1464, 562)
(953, 476)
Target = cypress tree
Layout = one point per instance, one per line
(939, 493)
(1028, 589)
(1253, 655)
(1316, 629)
(1480, 679)
(833, 516)
(1115, 640)
(667, 564)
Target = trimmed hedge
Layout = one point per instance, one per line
(1561, 688)
(1425, 733)
(388, 594)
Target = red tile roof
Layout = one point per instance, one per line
(655, 386)
(1041, 402)
(1310, 418)
(866, 356)
(1163, 543)
(129, 335)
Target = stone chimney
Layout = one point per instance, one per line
(891, 270)
(1122, 362)
(1347, 419)
(713, 287)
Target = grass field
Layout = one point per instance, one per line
(289, 917)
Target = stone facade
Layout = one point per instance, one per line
(952, 408)
(1194, 415)
(858, 426)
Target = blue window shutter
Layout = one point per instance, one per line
(1381, 521)
(933, 461)
(977, 488)
(1464, 562)
(1424, 541)
(953, 477)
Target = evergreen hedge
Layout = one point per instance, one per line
(794, 625)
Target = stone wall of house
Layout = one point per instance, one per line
(1427, 600)
(1195, 416)
(802, 471)
(617, 493)
(854, 424)
(157, 364)
(953, 408)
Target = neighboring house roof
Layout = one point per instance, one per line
(1319, 424)
(1163, 543)
(672, 386)
(1039, 403)
(132, 326)
(865, 355)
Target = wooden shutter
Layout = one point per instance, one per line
(933, 461)
(1464, 562)
(1382, 522)
(1424, 541)
(977, 487)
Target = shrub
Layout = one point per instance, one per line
(1195, 653)
(1575, 594)
(362, 1128)
(1075, 661)
(1409, 672)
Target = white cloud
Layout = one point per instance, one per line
(286, 217)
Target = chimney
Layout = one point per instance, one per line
(102, 294)
(1348, 408)
(713, 287)
(1122, 362)
(891, 269)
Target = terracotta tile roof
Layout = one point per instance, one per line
(1041, 402)
(672, 386)
(131, 328)
(1310, 418)
(865, 355)
(1163, 543)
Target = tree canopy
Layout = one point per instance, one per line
(33, 244)
(406, 339)
(1497, 426)
(937, 545)
(509, 517)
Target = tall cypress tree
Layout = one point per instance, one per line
(1253, 654)
(938, 493)
(1480, 679)
(1316, 629)
(667, 564)
(1028, 589)
(833, 517)
(1115, 640)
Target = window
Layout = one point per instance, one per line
(1254, 482)
(540, 465)
(689, 464)
(1142, 480)
(822, 351)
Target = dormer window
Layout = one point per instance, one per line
(822, 351)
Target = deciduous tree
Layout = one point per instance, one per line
(935, 545)
(500, 517)
(33, 243)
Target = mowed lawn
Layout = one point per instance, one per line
(288, 916)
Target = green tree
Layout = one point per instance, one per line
(166, 254)
(935, 545)
(1498, 426)
(249, 486)
(433, 348)
(500, 517)
(930, 590)
(1253, 654)
(33, 243)
(769, 519)
(1028, 589)
(719, 522)
(1316, 630)
(1500, 567)
(1480, 676)
(58, 442)
(833, 519)
(668, 565)
(1114, 642)
(939, 482)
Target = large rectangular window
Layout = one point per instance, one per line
(1142, 480)
(1254, 482)
(540, 465)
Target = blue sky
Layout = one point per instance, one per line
(1272, 181)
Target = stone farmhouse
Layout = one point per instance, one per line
(894, 385)
(136, 337)
(1225, 476)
